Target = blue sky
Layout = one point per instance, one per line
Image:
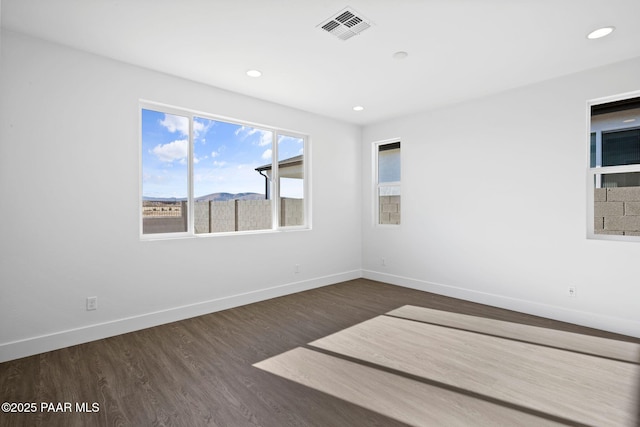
(225, 156)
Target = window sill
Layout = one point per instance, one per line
(182, 236)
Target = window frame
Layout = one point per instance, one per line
(376, 181)
(594, 173)
(274, 184)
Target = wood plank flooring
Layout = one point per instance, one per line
(417, 403)
(551, 383)
(200, 371)
(579, 343)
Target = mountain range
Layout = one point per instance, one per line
(216, 197)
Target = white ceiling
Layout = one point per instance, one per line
(458, 49)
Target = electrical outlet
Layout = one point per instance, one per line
(92, 303)
(572, 291)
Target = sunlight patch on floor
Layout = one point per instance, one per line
(468, 370)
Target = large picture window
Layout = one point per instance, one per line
(614, 168)
(203, 175)
(387, 179)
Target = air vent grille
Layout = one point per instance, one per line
(345, 24)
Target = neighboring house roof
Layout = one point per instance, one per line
(290, 162)
(287, 168)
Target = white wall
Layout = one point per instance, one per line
(494, 205)
(69, 197)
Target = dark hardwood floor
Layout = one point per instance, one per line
(199, 371)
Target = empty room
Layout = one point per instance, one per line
(319, 213)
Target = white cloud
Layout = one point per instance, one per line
(243, 131)
(219, 164)
(267, 154)
(176, 124)
(198, 127)
(180, 124)
(201, 127)
(265, 136)
(221, 149)
(176, 150)
(292, 140)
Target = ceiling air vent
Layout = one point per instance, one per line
(345, 24)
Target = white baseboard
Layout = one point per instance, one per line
(35, 345)
(583, 318)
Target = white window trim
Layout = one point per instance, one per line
(594, 174)
(275, 182)
(274, 189)
(376, 186)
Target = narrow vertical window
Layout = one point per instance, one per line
(291, 180)
(388, 182)
(165, 172)
(615, 167)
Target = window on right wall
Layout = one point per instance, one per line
(387, 188)
(614, 168)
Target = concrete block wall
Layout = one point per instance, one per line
(291, 212)
(243, 215)
(253, 214)
(389, 209)
(617, 211)
(215, 217)
(222, 216)
(201, 217)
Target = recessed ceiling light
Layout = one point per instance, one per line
(400, 55)
(600, 32)
(254, 73)
(358, 108)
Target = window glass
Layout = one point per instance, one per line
(229, 193)
(165, 174)
(621, 147)
(615, 167)
(631, 179)
(201, 175)
(593, 150)
(291, 180)
(389, 163)
(388, 183)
